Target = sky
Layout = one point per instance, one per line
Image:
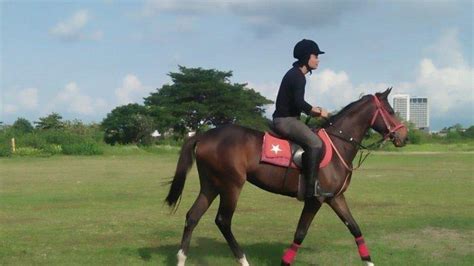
(84, 58)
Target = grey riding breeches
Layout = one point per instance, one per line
(295, 130)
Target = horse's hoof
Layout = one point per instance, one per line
(181, 258)
(243, 261)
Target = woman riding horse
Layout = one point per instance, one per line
(228, 156)
(289, 105)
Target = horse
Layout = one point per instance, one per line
(228, 156)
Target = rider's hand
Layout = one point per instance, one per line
(324, 113)
(316, 111)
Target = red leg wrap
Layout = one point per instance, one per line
(290, 254)
(363, 250)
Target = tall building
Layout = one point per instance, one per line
(401, 105)
(413, 109)
(419, 113)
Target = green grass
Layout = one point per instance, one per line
(465, 146)
(413, 209)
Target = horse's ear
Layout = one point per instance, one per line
(384, 94)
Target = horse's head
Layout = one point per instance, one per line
(386, 122)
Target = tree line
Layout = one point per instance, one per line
(196, 100)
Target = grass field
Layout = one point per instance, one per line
(413, 209)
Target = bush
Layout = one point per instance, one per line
(28, 151)
(5, 150)
(50, 142)
(61, 137)
(170, 141)
(453, 136)
(87, 148)
(414, 136)
(52, 149)
(32, 140)
(22, 126)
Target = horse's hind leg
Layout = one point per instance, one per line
(200, 206)
(228, 203)
(339, 205)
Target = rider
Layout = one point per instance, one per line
(289, 105)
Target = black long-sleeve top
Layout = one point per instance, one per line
(290, 100)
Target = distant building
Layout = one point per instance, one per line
(401, 105)
(413, 109)
(419, 113)
(156, 134)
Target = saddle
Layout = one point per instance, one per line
(281, 152)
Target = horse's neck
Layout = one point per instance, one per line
(354, 126)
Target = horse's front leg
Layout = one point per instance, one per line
(339, 205)
(310, 209)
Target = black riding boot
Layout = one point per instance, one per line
(311, 160)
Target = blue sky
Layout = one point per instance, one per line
(83, 58)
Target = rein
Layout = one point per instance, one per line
(358, 145)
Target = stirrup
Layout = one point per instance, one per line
(321, 193)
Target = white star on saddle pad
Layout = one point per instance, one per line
(276, 149)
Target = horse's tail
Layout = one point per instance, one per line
(185, 163)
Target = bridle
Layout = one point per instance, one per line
(391, 125)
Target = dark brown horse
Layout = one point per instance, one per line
(228, 156)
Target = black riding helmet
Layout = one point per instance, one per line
(303, 50)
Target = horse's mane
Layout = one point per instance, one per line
(343, 112)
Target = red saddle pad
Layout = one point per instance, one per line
(278, 151)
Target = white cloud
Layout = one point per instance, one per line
(326, 88)
(28, 98)
(447, 87)
(73, 28)
(446, 51)
(330, 89)
(77, 102)
(263, 18)
(131, 91)
(446, 79)
(95, 36)
(269, 91)
(448, 84)
(23, 99)
(188, 7)
(10, 109)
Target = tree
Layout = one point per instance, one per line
(456, 127)
(52, 121)
(128, 124)
(199, 98)
(22, 126)
(469, 133)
